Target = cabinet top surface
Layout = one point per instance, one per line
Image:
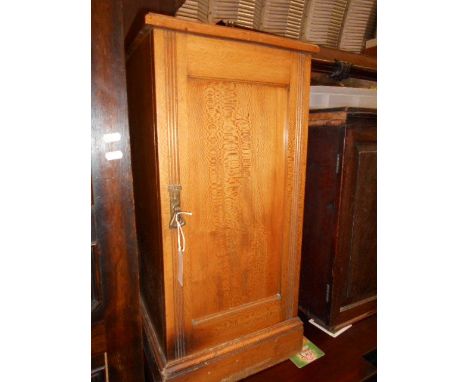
(338, 116)
(345, 109)
(154, 20)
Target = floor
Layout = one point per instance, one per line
(343, 360)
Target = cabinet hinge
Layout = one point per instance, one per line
(327, 293)
(338, 157)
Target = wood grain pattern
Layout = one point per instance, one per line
(355, 273)
(113, 199)
(172, 123)
(142, 113)
(234, 140)
(362, 274)
(98, 338)
(325, 119)
(160, 21)
(170, 69)
(97, 302)
(297, 148)
(241, 157)
(201, 49)
(229, 361)
(322, 190)
(338, 274)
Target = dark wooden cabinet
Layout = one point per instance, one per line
(339, 248)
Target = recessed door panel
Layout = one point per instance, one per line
(362, 277)
(355, 269)
(235, 162)
(236, 151)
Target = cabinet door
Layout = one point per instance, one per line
(231, 132)
(320, 215)
(355, 272)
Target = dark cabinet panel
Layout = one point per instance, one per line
(98, 375)
(361, 279)
(96, 272)
(322, 186)
(339, 256)
(115, 319)
(96, 287)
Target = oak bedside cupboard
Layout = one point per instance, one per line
(218, 120)
(339, 247)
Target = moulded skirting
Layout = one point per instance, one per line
(230, 361)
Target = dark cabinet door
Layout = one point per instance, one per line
(320, 210)
(355, 272)
(339, 257)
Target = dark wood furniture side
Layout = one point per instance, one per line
(134, 9)
(339, 248)
(116, 345)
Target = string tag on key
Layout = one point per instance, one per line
(180, 246)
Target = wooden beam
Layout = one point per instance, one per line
(363, 67)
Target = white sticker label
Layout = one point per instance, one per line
(112, 137)
(113, 155)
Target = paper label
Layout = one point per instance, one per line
(308, 354)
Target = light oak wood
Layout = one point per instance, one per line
(230, 361)
(203, 116)
(171, 23)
